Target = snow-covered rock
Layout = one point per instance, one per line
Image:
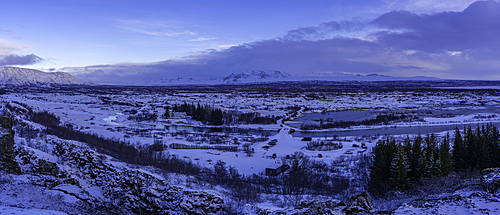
(358, 204)
(23, 76)
(477, 202)
(7, 145)
(491, 179)
(86, 175)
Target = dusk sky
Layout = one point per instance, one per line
(134, 40)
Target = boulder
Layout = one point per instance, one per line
(7, 155)
(318, 207)
(359, 204)
(6, 135)
(491, 179)
(330, 207)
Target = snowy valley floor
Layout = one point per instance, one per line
(105, 181)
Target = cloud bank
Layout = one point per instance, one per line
(15, 59)
(464, 45)
(9, 54)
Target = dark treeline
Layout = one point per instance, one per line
(379, 120)
(121, 150)
(198, 146)
(475, 150)
(404, 165)
(233, 117)
(216, 116)
(199, 112)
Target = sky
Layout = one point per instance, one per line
(125, 41)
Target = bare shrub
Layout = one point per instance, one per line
(323, 145)
(436, 185)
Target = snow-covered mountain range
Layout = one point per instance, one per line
(23, 76)
(256, 76)
(259, 76)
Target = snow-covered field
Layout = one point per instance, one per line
(106, 114)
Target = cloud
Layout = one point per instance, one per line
(7, 47)
(427, 6)
(463, 44)
(202, 39)
(15, 59)
(226, 46)
(323, 31)
(474, 31)
(9, 54)
(296, 57)
(169, 28)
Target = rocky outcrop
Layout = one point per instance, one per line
(359, 204)
(7, 138)
(319, 207)
(7, 154)
(478, 202)
(491, 179)
(85, 174)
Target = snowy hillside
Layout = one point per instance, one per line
(50, 175)
(23, 76)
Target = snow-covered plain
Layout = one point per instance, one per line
(105, 113)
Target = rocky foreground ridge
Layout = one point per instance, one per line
(47, 172)
(477, 196)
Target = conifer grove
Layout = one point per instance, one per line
(397, 165)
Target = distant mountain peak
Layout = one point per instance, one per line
(255, 75)
(21, 76)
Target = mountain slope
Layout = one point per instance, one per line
(23, 76)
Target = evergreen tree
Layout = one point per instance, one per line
(431, 156)
(417, 158)
(166, 115)
(216, 117)
(407, 146)
(380, 173)
(445, 164)
(200, 112)
(470, 146)
(493, 145)
(459, 154)
(399, 169)
(482, 144)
